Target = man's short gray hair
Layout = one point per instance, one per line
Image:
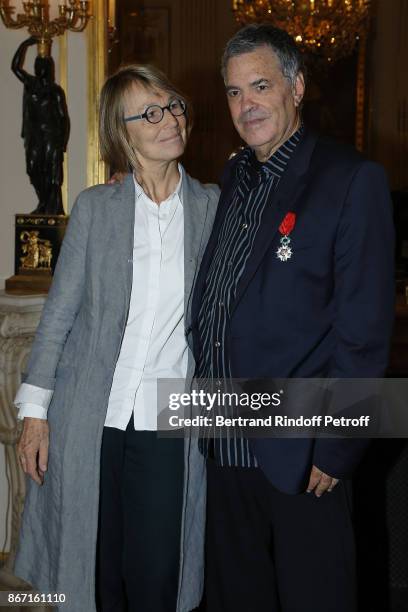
(257, 35)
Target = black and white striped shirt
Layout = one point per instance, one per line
(255, 183)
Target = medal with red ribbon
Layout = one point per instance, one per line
(285, 251)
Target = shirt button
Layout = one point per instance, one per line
(229, 264)
(218, 383)
(217, 344)
(244, 225)
(221, 304)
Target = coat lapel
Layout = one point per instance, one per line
(287, 198)
(123, 221)
(195, 210)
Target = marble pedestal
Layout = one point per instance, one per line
(19, 317)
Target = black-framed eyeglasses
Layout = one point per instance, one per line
(155, 113)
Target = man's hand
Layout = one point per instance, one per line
(33, 448)
(118, 177)
(320, 482)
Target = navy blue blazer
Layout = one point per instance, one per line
(326, 312)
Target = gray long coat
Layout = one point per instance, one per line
(75, 352)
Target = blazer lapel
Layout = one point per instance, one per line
(286, 198)
(123, 221)
(195, 211)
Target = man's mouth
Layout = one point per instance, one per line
(252, 123)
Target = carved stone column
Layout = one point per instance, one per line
(19, 317)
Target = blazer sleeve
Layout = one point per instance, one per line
(63, 301)
(364, 300)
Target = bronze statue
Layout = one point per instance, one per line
(45, 129)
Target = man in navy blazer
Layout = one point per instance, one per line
(296, 282)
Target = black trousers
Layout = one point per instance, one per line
(267, 551)
(141, 489)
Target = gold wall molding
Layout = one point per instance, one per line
(360, 94)
(63, 81)
(388, 91)
(97, 51)
(401, 140)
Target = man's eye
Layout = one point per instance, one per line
(262, 87)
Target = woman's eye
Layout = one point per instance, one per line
(233, 93)
(153, 113)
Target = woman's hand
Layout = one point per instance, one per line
(32, 448)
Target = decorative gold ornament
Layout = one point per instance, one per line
(37, 252)
(327, 28)
(73, 15)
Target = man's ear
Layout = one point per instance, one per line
(299, 88)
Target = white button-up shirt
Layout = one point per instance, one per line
(154, 344)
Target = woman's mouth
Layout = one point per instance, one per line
(175, 136)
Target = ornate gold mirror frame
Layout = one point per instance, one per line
(97, 50)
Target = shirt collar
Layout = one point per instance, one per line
(275, 165)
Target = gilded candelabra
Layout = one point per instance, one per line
(327, 28)
(73, 15)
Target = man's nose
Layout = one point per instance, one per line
(247, 102)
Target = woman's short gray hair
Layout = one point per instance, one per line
(257, 35)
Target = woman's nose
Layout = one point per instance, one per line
(169, 117)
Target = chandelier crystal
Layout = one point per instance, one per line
(327, 28)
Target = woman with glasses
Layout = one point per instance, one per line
(103, 519)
